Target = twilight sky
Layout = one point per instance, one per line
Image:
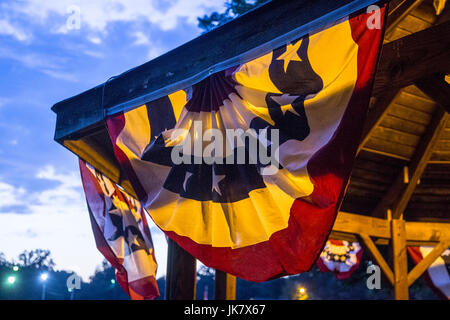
(45, 58)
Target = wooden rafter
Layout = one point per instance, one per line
(413, 57)
(420, 160)
(445, 15)
(432, 85)
(399, 194)
(437, 89)
(376, 115)
(399, 12)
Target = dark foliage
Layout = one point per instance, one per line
(102, 285)
(318, 285)
(234, 8)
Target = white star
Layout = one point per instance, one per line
(290, 109)
(186, 178)
(285, 101)
(215, 181)
(132, 239)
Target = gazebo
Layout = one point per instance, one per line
(399, 190)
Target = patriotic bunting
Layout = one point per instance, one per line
(437, 276)
(246, 170)
(340, 257)
(121, 234)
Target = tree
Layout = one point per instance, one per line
(234, 8)
(38, 258)
(103, 285)
(205, 283)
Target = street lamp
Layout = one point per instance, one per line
(71, 293)
(15, 268)
(11, 280)
(44, 277)
(301, 293)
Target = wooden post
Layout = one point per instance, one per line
(181, 273)
(400, 259)
(225, 286)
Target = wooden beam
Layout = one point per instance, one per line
(399, 194)
(423, 265)
(437, 89)
(420, 159)
(376, 115)
(410, 58)
(431, 232)
(376, 255)
(359, 224)
(397, 14)
(244, 38)
(181, 273)
(400, 259)
(347, 225)
(444, 16)
(383, 153)
(225, 286)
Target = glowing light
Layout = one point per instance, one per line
(301, 293)
(44, 276)
(113, 281)
(15, 268)
(11, 279)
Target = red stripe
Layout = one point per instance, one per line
(416, 255)
(295, 249)
(95, 197)
(144, 288)
(115, 126)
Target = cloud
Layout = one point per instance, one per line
(67, 196)
(54, 218)
(96, 15)
(49, 65)
(6, 28)
(141, 39)
(95, 39)
(57, 219)
(10, 195)
(94, 54)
